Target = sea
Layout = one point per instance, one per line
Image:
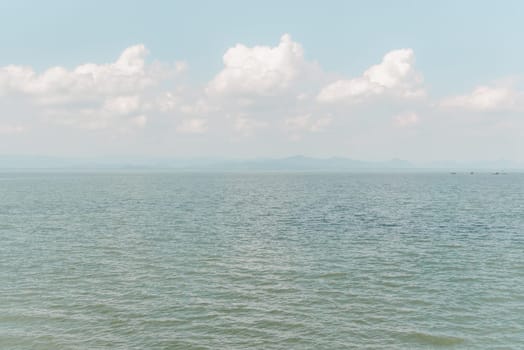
(179, 260)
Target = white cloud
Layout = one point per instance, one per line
(91, 96)
(192, 126)
(128, 74)
(395, 76)
(406, 119)
(271, 90)
(486, 98)
(259, 70)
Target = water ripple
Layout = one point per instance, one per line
(261, 261)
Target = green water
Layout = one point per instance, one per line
(261, 261)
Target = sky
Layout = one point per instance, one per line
(370, 80)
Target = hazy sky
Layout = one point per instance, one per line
(417, 80)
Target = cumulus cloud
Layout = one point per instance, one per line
(59, 85)
(269, 89)
(395, 76)
(266, 83)
(192, 126)
(91, 96)
(259, 70)
(486, 98)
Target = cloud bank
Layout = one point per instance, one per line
(263, 92)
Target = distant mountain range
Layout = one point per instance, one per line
(295, 163)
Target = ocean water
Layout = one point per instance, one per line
(261, 261)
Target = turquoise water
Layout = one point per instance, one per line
(261, 261)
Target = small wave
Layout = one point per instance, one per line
(432, 339)
(333, 275)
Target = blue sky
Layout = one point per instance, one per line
(457, 47)
(457, 42)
